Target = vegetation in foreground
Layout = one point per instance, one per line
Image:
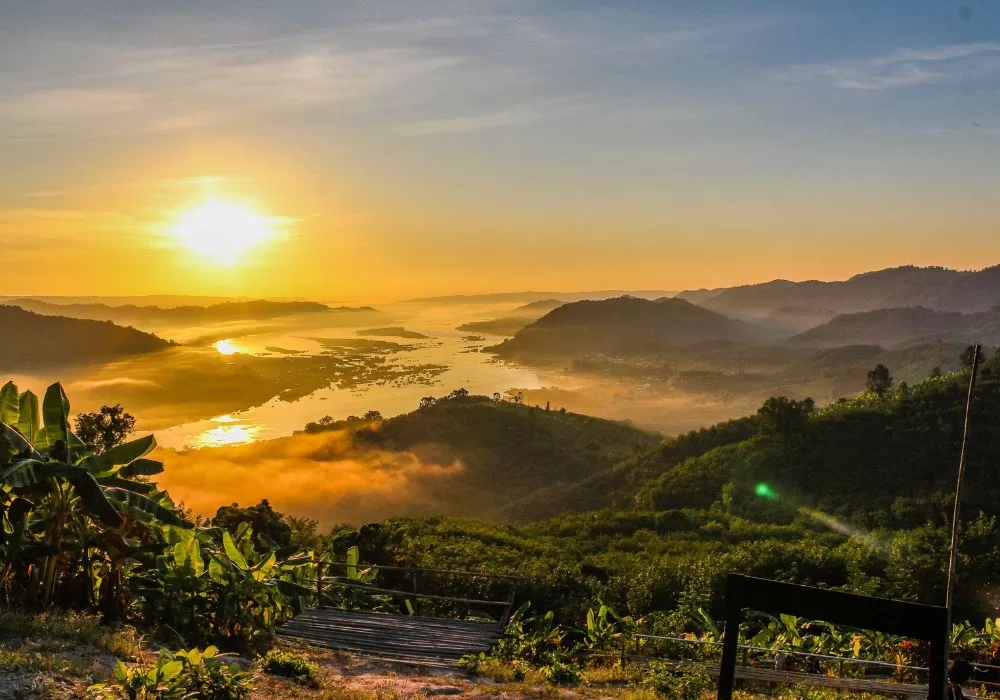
(85, 529)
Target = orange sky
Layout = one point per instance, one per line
(410, 150)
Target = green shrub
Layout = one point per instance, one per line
(677, 681)
(558, 672)
(289, 665)
(176, 676)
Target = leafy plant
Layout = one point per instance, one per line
(176, 675)
(289, 665)
(70, 517)
(683, 681)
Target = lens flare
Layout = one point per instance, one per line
(764, 491)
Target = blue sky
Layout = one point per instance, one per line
(719, 141)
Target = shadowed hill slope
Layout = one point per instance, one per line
(507, 451)
(888, 327)
(29, 340)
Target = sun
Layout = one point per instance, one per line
(222, 232)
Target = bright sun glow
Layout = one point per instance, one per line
(226, 347)
(222, 232)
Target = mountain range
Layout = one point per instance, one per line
(898, 326)
(937, 288)
(225, 311)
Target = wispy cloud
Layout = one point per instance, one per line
(37, 228)
(515, 116)
(905, 67)
(391, 68)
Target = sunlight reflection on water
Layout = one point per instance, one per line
(227, 434)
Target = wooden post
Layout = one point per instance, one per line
(730, 642)
(953, 554)
(937, 666)
(319, 582)
(510, 603)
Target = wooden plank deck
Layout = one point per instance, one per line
(410, 639)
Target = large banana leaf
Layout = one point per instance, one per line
(141, 467)
(95, 498)
(9, 407)
(232, 551)
(26, 473)
(27, 419)
(148, 506)
(127, 484)
(188, 552)
(55, 416)
(120, 455)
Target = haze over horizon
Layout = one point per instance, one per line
(378, 151)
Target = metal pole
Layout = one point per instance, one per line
(953, 556)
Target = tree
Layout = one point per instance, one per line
(935, 371)
(879, 381)
(783, 416)
(373, 415)
(967, 357)
(104, 429)
(427, 402)
(266, 522)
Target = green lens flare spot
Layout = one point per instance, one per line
(764, 491)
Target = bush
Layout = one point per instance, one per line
(678, 681)
(176, 676)
(559, 672)
(289, 665)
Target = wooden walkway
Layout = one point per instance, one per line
(409, 639)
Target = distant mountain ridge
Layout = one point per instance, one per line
(936, 288)
(540, 306)
(528, 296)
(889, 327)
(626, 325)
(225, 311)
(31, 340)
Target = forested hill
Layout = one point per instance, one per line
(882, 461)
(29, 340)
(934, 287)
(889, 327)
(507, 451)
(623, 326)
(854, 496)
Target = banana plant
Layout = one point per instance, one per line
(51, 485)
(209, 583)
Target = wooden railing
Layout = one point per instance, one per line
(325, 581)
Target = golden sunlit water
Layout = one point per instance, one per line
(228, 433)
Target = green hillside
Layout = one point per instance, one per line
(509, 452)
(854, 496)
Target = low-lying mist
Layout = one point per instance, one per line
(329, 477)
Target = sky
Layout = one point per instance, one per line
(400, 149)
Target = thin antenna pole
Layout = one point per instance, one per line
(961, 474)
